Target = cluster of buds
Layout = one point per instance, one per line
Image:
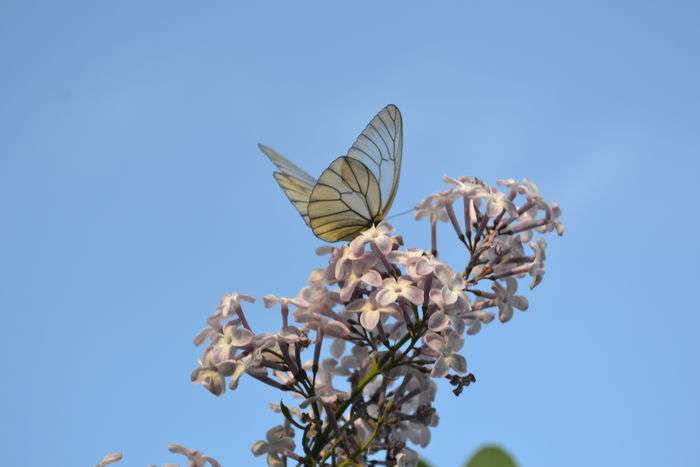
(393, 319)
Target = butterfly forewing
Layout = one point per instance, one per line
(380, 148)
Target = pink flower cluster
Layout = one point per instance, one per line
(394, 318)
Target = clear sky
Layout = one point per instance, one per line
(133, 196)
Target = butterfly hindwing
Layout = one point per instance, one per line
(295, 182)
(345, 201)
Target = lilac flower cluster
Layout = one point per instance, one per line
(394, 319)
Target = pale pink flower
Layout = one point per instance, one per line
(194, 458)
(421, 267)
(393, 288)
(261, 342)
(316, 299)
(525, 187)
(433, 208)
(341, 262)
(278, 442)
(271, 300)
(370, 311)
(211, 331)
(552, 214)
(231, 339)
(376, 235)
(507, 300)
(418, 263)
(231, 302)
(467, 186)
(446, 347)
(360, 272)
(284, 302)
(438, 321)
(528, 217)
(498, 201)
(474, 319)
(452, 290)
(504, 247)
(318, 277)
(318, 322)
(405, 256)
(209, 378)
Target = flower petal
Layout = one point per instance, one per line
(372, 278)
(438, 321)
(519, 302)
(386, 296)
(434, 341)
(413, 294)
(440, 368)
(457, 362)
(369, 319)
(384, 244)
(259, 448)
(505, 312)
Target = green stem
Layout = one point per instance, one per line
(375, 369)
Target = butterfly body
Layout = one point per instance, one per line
(356, 191)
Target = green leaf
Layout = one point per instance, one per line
(491, 456)
(422, 463)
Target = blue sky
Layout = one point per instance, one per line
(133, 196)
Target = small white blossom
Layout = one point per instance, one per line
(498, 202)
(433, 208)
(232, 301)
(376, 235)
(360, 272)
(278, 442)
(507, 300)
(393, 288)
(446, 347)
(452, 290)
(370, 311)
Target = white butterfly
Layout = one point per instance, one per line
(356, 190)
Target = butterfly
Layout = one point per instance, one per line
(356, 191)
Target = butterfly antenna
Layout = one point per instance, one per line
(401, 213)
